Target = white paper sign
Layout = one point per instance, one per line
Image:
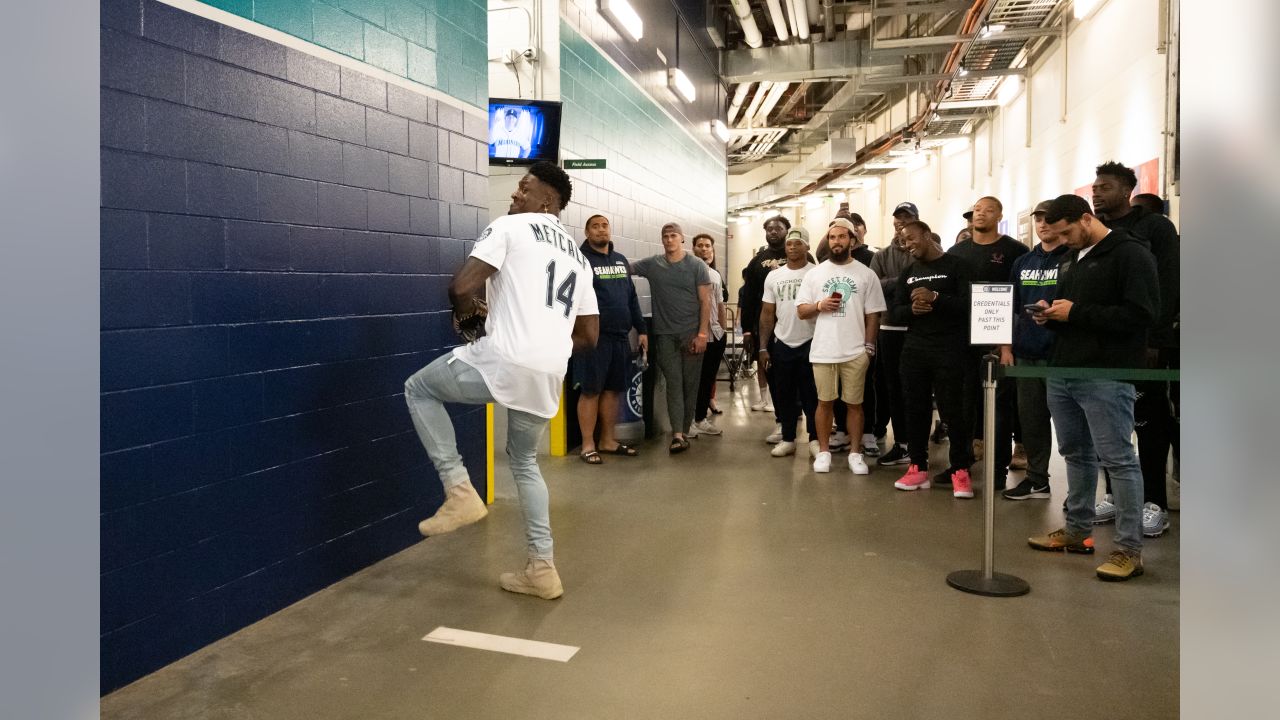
(991, 314)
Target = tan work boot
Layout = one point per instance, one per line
(1120, 566)
(462, 506)
(538, 578)
(1019, 459)
(1062, 540)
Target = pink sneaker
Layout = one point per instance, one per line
(914, 479)
(961, 484)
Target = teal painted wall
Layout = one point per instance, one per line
(656, 171)
(439, 43)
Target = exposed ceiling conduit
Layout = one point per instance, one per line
(755, 102)
(751, 31)
(828, 20)
(775, 93)
(778, 19)
(735, 105)
(800, 11)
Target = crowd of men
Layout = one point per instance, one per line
(857, 342)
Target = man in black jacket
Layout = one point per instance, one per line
(1108, 295)
(773, 256)
(602, 373)
(1154, 413)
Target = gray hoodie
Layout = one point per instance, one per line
(888, 264)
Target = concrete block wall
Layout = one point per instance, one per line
(656, 171)
(277, 232)
(439, 43)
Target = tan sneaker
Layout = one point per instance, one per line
(1060, 539)
(462, 506)
(539, 578)
(1120, 566)
(1019, 459)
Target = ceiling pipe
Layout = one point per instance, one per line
(761, 91)
(800, 11)
(735, 105)
(828, 20)
(751, 31)
(775, 94)
(778, 19)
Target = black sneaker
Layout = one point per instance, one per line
(1026, 490)
(897, 455)
(944, 477)
(939, 435)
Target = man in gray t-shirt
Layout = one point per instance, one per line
(680, 288)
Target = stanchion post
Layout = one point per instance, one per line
(987, 581)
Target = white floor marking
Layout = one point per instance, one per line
(502, 644)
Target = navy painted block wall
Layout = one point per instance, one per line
(277, 234)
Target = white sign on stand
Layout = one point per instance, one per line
(991, 314)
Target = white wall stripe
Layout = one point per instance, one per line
(277, 36)
(501, 643)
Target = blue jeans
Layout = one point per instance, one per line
(450, 380)
(1094, 420)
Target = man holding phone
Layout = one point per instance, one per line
(844, 298)
(1035, 280)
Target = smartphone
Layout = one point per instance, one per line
(1033, 308)
(835, 295)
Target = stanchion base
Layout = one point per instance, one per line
(999, 585)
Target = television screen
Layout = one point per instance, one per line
(522, 132)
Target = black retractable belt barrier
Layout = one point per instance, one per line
(987, 581)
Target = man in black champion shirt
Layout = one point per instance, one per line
(990, 256)
(1156, 409)
(932, 302)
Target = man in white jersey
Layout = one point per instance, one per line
(511, 140)
(845, 297)
(536, 285)
(784, 343)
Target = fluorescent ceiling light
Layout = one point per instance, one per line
(989, 30)
(720, 130)
(624, 17)
(1084, 8)
(813, 201)
(744, 219)
(679, 82)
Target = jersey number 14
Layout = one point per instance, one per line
(564, 293)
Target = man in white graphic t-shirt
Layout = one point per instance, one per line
(524, 302)
(845, 298)
(784, 344)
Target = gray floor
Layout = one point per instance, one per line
(721, 583)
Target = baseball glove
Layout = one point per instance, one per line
(470, 327)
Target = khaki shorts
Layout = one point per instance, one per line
(844, 378)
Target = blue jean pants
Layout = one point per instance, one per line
(1094, 420)
(450, 380)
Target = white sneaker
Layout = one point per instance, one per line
(1105, 511)
(814, 448)
(838, 441)
(706, 427)
(1154, 520)
(822, 462)
(693, 431)
(869, 446)
(765, 403)
(776, 436)
(783, 449)
(857, 465)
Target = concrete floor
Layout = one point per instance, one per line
(721, 583)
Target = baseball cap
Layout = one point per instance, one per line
(856, 219)
(907, 207)
(1042, 207)
(846, 224)
(968, 214)
(672, 226)
(800, 233)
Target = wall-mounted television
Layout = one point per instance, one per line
(523, 132)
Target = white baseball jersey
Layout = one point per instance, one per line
(511, 144)
(543, 284)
